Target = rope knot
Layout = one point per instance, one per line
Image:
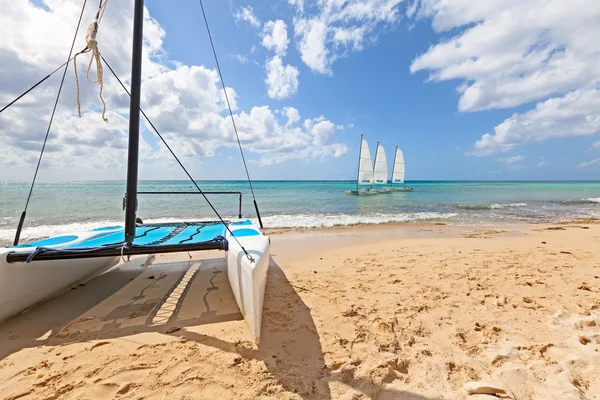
(92, 46)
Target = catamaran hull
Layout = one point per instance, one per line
(248, 278)
(363, 192)
(402, 189)
(24, 285)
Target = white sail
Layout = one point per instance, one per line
(398, 175)
(380, 171)
(365, 166)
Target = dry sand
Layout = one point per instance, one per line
(393, 312)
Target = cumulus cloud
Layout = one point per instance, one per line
(338, 27)
(282, 80)
(575, 114)
(275, 37)
(185, 102)
(247, 14)
(510, 53)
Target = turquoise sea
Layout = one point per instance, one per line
(61, 207)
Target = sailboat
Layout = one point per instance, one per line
(380, 170)
(398, 173)
(365, 171)
(35, 272)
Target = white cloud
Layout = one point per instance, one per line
(282, 81)
(292, 115)
(541, 163)
(575, 114)
(299, 4)
(596, 145)
(275, 37)
(185, 102)
(241, 58)
(510, 53)
(412, 8)
(513, 160)
(338, 27)
(247, 14)
(513, 52)
(314, 53)
(590, 164)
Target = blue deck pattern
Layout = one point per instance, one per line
(144, 236)
(208, 232)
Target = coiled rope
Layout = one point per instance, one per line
(92, 46)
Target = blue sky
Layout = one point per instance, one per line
(431, 76)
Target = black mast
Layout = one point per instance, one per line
(359, 155)
(134, 121)
(394, 166)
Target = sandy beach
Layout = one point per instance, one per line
(382, 312)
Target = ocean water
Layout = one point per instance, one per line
(61, 207)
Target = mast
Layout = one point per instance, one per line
(394, 166)
(375, 163)
(134, 122)
(359, 156)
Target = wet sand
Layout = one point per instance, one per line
(383, 312)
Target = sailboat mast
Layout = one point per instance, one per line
(394, 166)
(359, 156)
(134, 121)
(375, 162)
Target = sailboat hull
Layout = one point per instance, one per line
(24, 285)
(248, 278)
(361, 192)
(402, 189)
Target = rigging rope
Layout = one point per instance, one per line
(180, 163)
(92, 46)
(34, 86)
(37, 168)
(230, 111)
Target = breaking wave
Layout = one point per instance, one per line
(495, 206)
(269, 221)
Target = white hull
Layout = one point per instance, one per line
(247, 278)
(361, 192)
(384, 190)
(402, 189)
(24, 285)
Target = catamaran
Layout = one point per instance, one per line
(365, 171)
(398, 173)
(35, 272)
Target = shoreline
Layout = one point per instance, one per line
(411, 225)
(381, 312)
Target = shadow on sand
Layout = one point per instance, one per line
(172, 296)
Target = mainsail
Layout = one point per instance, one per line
(398, 170)
(365, 166)
(380, 171)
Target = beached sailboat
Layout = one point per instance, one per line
(365, 172)
(398, 173)
(35, 272)
(380, 170)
